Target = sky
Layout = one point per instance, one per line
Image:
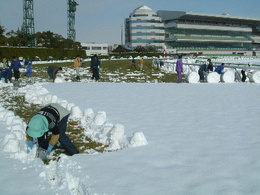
(101, 21)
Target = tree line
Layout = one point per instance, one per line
(46, 39)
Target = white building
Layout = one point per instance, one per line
(94, 48)
(144, 28)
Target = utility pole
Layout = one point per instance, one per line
(28, 23)
(71, 32)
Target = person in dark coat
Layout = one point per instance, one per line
(15, 66)
(243, 72)
(6, 73)
(210, 65)
(95, 66)
(204, 70)
(52, 119)
(52, 72)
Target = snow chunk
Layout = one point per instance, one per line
(228, 76)
(59, 80)
(76, 113)
(213, 77)
(193, 77)
(117, 137)
(100, 118)
(138, 139)
(12, 145)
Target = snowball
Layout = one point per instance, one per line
(12, 146)
(76, 113)
(8, 114)
(213, 77)
(7, 137)
(254, 76)
(18, 134)
(100, 118)
(228, 76)
(117, 132)
(138, 139)
(89, 113)
(193, 77)
(59, 80)
(9, 120)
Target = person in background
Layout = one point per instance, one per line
(52, 118)
(179, 69)
(220, 69)
(6, 73)
(133, 63)
(141, 63)
(210, 65)
(95, 66)
(204, 70)
(27, 61)
(15, 66)
(76, 65)
(28, 67)
(52, 72)
(5, 62)
(243, 72)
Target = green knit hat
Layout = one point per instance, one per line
(37, 126)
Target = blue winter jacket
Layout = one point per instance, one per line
(6, 73)
(219, 69)
(95, 63)
(15, 65)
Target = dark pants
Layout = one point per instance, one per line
(95, 74)
(16, 74)
(8, 76)
(243, 75)
(64, 139)
(201, 74)
(50, 73)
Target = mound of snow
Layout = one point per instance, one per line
(228, 76)
(193, 77)
(138, 139)
(213, 77)
(59, 80)
(254, 76)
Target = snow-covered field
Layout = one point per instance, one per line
(168, 139)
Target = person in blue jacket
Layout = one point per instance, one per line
(15, 66)
(220, 69)
(28, 72)
(6, 73)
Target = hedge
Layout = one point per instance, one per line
(42, 53)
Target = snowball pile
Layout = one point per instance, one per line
(95, 125)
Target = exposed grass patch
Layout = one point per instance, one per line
(114, 70)
(16, 103)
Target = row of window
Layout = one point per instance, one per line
(94, 48)
(147, 27)
(147, 34)
(208, 45)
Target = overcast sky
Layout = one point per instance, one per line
(100, 21)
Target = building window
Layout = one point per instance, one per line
(86, 48)
(96, 48)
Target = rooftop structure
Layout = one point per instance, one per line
(144, 28)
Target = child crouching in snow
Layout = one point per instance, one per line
(51, 118)
(28, 72)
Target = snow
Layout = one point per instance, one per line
(166, 138)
